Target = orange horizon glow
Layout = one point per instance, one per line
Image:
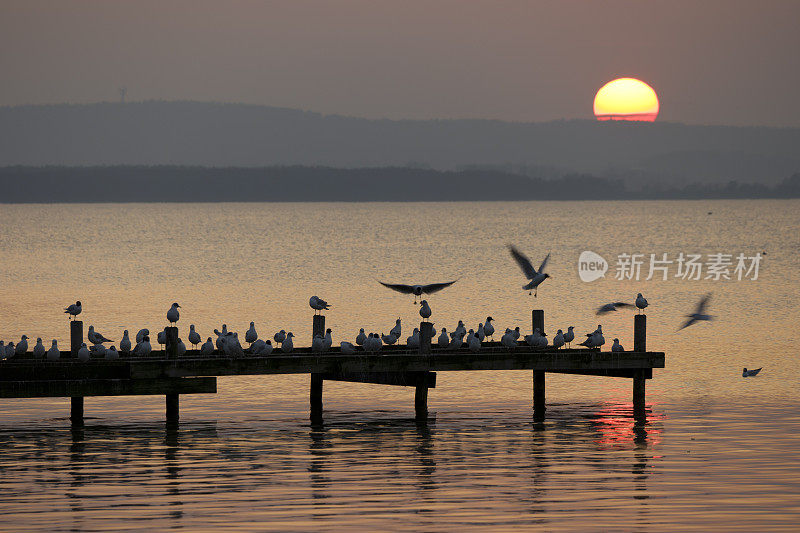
(626, 99)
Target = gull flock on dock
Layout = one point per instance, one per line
(228, 343)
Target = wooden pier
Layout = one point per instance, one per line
(162, 373)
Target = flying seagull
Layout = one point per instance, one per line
(615, 306)
(417, 290)
(699, 313)
(535, 276)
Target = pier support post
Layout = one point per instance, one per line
(171, 342)
(318, 327)
(75, 341)
(425, 339)
(639, 381)
(315, 396)
(639, 333)
(171, 348)
(173, 408)
(76, 410)
(75, 337)
(421, 402)
(537, 320)
(538, 395)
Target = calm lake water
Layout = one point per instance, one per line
(718, 451)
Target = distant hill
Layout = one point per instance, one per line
(318, 184)
(211, 134)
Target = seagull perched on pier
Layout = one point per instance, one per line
(288, 344)
(388, 339)
(194, 337)
(417, 290)
(641, 302)
(699, 314)
(53, 353)
(347, 348)
(279, 337)
(83, 353)
(413, 341)
(474, 342)
(361, 337)
(112, 354)
(96, 338)
(143, 348)
(508, 340)
(173, 314)
(250, 336)
(73, 310)
(327, 340)
(317, 345)
(142, 334)
(318, 304)
(615, 306)
(397, 330)
(267, 349)
(569, 336)
(98, 349)
(207, 348)
(22, 345)
(443, 339)
(125, 343)
(181, 349)
(424, 310)
(488, 328)
(39, 349)
(750, 373)
(535, 276)
(558, 340)
(256, 347)
(617, 347)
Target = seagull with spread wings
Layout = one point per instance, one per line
(699, 314)
(417, 290)
(535, 276)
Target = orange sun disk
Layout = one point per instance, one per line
(626, 99)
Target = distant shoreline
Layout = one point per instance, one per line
(185, 184)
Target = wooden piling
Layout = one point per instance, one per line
(425, 338)
(639, 333)
(171, 342)
(316, 395)
(75, 337)
(421, 402)
(173, 407)
(538, 395)
(76, 410)
(171, 348)
(537, 320)
(639, 412)
(75, 341)
(318, 327)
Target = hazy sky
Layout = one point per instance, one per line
(711, 62)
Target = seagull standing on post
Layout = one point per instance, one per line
(535, 276)
(73, 310)
(318, 304)
(424, 310)
(417, 290)
(173, 314)
(641, 302)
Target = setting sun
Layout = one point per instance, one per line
(626, 99)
